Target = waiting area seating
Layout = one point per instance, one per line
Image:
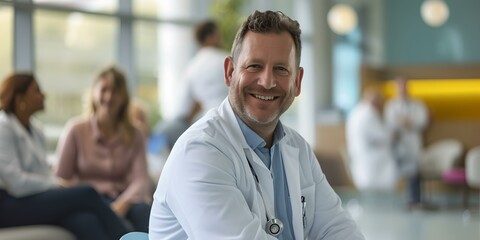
(36, 232)
(472, 166)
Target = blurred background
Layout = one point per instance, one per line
(347, 45)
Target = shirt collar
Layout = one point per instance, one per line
(254, 140)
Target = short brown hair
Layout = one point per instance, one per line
(14, 85)
(268, 22)
(205, 29)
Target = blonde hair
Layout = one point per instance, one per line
(125, 125)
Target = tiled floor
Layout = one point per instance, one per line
(385, 217)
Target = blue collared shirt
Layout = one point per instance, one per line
(272, 158)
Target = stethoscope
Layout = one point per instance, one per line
(274, 225)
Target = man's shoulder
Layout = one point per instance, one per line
(294, 138)
(210, 126)
(210, 55)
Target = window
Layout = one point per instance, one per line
(146, 41)
(6, 46)
(70, 50)
(145, 8)
(104, 6)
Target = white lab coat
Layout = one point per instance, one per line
(207, 190)
(23, 166)
(369, 147)
(409, 142)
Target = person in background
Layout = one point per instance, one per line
(140, 117)
(29, 192)
(202, 86)
(238, 172)
(408, 118)
(369, 145)
(106, 150)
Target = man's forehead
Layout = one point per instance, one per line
(269, 35)
(257, 43)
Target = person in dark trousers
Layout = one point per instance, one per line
(29, 192)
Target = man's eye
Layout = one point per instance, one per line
(253, 67)
(281, 70)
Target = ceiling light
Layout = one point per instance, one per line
(342, 19)
(434, 12)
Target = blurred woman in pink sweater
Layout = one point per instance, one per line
(105, 149)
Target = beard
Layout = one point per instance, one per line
(253, 115)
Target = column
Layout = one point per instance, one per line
(23, 39)
(125, 48)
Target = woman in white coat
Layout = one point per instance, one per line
(215, 185)
(369, 145)
(29, 193)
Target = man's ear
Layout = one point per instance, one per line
(228, 68)
(298, 81)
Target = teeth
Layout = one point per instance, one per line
(267, 98)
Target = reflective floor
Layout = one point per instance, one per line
(386, 217)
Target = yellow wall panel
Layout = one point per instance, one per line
(452, 99)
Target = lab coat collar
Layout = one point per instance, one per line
(23, 134)
(290, 155)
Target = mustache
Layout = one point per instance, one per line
(261, 90)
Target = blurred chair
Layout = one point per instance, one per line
(135, 236)
(472, 167)
(457, 177)
(438, 158)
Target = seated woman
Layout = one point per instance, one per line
(29, 192)
(105, 149)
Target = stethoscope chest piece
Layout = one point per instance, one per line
(274, 227)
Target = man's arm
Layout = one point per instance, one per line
(204, 195)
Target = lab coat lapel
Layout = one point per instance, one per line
(235, 133)
(264, 177)
(290, 157)
(291, 164)
(28, 139)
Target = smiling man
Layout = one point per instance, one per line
(238, 173)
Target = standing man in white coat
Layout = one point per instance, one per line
(369, 145)
(407, 118)
(238, 173)
(201, 86)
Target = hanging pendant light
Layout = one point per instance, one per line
(434, 12)
(342, 19)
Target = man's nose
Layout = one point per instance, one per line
(267, 80)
